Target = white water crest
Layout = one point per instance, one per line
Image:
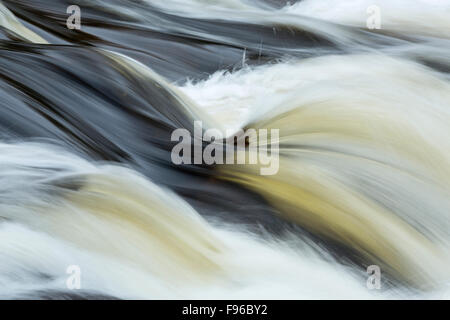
(132, 239)
(424, 17)
(360, 136)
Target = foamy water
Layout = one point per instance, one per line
(364, 179)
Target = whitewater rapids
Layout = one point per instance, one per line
(86, 178)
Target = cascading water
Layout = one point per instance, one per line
(87, 177)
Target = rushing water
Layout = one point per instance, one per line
(87, 180)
